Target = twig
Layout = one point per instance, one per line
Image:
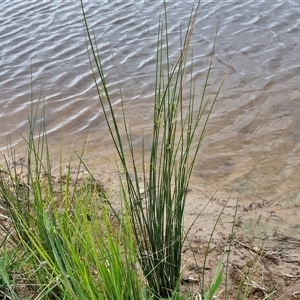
(257, 286)
(279, 273)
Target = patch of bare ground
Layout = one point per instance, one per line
(258, 271)
(262, 256)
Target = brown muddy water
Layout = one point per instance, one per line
(252, 145)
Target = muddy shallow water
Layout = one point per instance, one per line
(252, 144)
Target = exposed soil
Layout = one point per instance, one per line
(260, 239)
(264, 250)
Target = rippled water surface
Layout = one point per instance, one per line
(253, 141)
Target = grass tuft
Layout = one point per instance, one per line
(179, 124)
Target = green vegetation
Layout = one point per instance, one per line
(62, 237)
(158, 223)
(61, 241)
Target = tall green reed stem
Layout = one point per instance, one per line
(179, 124)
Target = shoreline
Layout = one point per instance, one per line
(260, 235)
